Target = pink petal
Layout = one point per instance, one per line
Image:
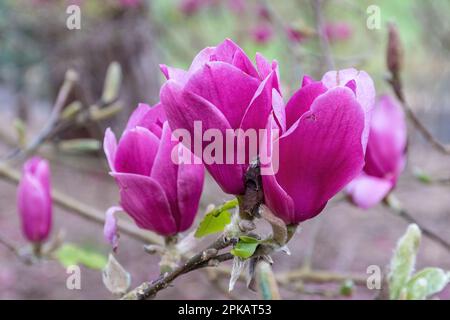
(367, 191)
(178, 75)
(279, 110)
(322, 152)
(265, 68)
(110, 147)
(165, 170)
(145, 201)
(183, 108)
(136, 150)
(189, 187)
(301, 101)
(385, 156)
(229, 89)
(201, 59)
(35, 208)
(275, 197)
(231, 53)
(365, 91)
(110, 228)
(151, 118)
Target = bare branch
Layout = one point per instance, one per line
(200, 260)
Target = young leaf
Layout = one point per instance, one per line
(422, 176)
(426, 283)
(115, 278)
(113, 80)
(245, 248)
(216, 220)
(70, 254)
(403, 261)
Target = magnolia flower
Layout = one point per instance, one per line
(223, 91)
(34, 200)
(262, 33)
(323, 146)
(385, 157)
(158, 193)
(338, 31)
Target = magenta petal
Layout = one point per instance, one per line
(145, 201)
(241, 61)
(226, 87)
(40, 169)
(385, 156)
(260, 107)
(34, 203)
(178, 75)
(189, 186)
(183, 108)
(201, 59)
(322, 153)
(263, 65)
(110, 228)
(277, 199)
(365, 91)
(279, 110)
(136, 151)
(151, 118)
(307, 80)
(165, 170)
(110, 147)
(367, 191)
(301, 101)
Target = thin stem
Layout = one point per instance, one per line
(395, 207)
(323, 39)
(319, 276)
(70, 79)
(200, 260)
(266, 281)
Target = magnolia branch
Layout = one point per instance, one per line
(205, 258)
(323, 39)
(394, 63)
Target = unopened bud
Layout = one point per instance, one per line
(394, 50)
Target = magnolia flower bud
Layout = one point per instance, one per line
(394, 55)
(34, 200)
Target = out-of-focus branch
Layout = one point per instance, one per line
(26, 259)
(323, 39)
(205, 258)
(75, 114)
(394, 59)
(85, 211)
(395, 207)
(70, 79)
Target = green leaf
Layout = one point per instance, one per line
(422, 176)
(426, 283)
(245, 248)
(71, 254)
(216, 220)
(112, 83)
(403, 261)
(80, 145)
(347, 288)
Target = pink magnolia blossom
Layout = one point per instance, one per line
(159, 194)
(262, 33)
(224, 91)
(323, 146)
(338, 31)
(34, 200)
(385, 157)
